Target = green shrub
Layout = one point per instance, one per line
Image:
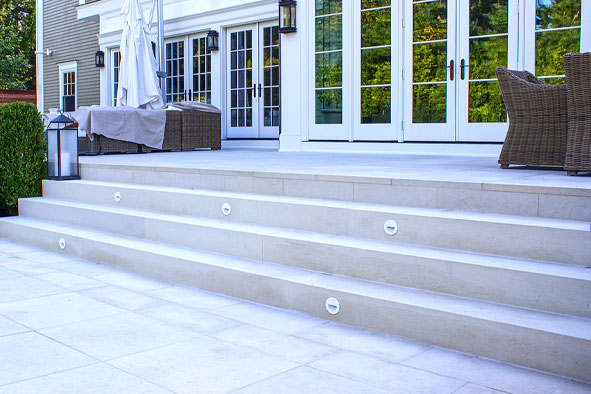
(22, 154)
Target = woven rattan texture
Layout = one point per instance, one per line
(88, 147)
(538, 121)
(577, 67)
(201, 130)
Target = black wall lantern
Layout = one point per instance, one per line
(99, 59)
(212, 41)
(287, 16)
(62, 149)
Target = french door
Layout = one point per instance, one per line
(252, 81)
(453, 48)
(188, 65)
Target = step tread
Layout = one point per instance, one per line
(576, 327)
(463, 257)
(361, 206)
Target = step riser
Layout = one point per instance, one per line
(536, 349)
(515, 240)
(543, 292)
(557, 203)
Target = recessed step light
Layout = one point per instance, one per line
(390, 227)
(333, 306)
(62, 243)
(117, 197)
(226, 209)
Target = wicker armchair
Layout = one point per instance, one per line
(577, 67)
(538, 121)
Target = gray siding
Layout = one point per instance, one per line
(71, 40)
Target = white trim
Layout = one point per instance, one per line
(251, 144)
(39, 56)
(448, 149)
(65, 68)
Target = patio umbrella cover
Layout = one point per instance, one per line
(138, 83)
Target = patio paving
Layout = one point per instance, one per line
(416, 167)
(68, 325)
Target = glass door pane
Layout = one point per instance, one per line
(201, 71)
(175, 68)
(329, 62)
(430, 77)
(269, 80)
(242, 80)
(376, 71)
(558, 31)
(487, 39)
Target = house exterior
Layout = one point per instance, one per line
(361, 75)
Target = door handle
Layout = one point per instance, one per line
(254, 87)
(260, 91)
(463, 67)
(451, 69)
(190, 95)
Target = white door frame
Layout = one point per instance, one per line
(382, 131)
(430, 131)
(481, 132)
(265, 132)
(333, 132)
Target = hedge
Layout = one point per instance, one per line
(22, 154)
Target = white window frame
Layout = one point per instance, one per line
(111, 73)
(66, 68)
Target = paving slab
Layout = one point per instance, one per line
(93, 379)
(55, 310)
(117, 335)
(123, 298)
(384, 375)
(310, 381)
(29, 355)
(488, 373)
(203, 365)
(194, 298)
(275, 343)
(381, 346)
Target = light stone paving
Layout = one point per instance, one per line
(334, 167)
(72, 326)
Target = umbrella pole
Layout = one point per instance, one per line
(162, 59)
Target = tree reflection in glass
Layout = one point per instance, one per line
(553, 44)
(329, 61)
(376, 54)
(429, 61)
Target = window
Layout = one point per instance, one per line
(558, 31)
(67, 72)
(329, 61)
(116, 62)
(175, 68)
(201, 71)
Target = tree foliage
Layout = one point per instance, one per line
(17, 47)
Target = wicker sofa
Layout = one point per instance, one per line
(577, 67)
(538, 121)
(184, 130)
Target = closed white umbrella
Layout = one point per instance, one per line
(138, 83)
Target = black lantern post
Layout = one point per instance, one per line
(99, 59)
(287, 16)
(212, 41)
(62, 149)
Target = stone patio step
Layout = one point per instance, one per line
(540, 285)
(553, 240)
(444, 186)
(547, 341)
